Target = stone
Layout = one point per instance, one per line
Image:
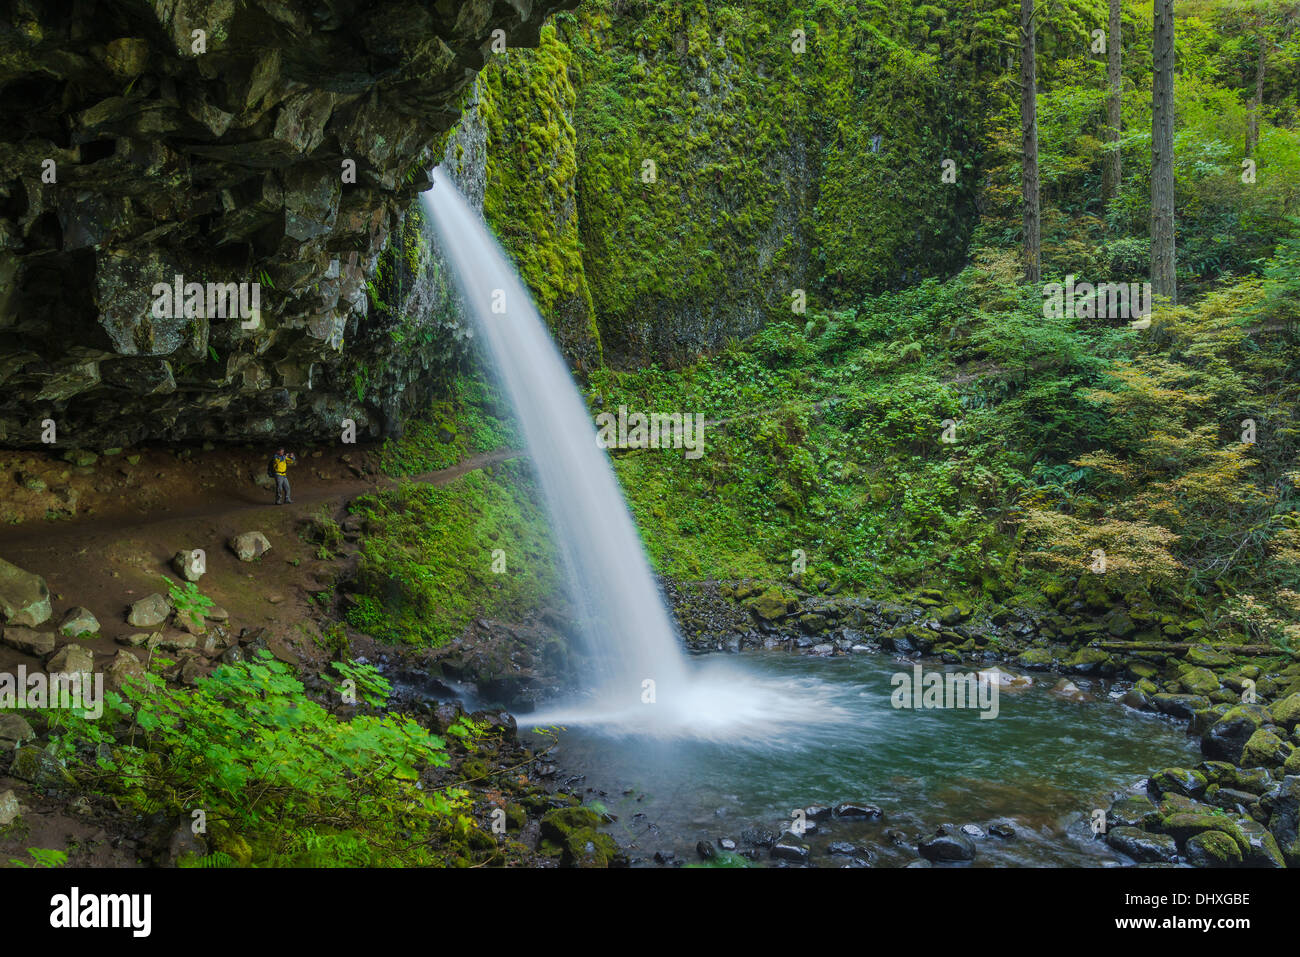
(24, 597)
(250, 546)
(1226, 738)
(1198, 681)
(1180, 705)
(1286, 711)
(1135, 811)
(77, 622)
(769, 606)
(1206, 657)
(947, 847)
(40, 768)
(185, 565)
(853, 810)
(1143, 847)
(10, 809)
(1265, 749)
(29, 641)
(788, 847)
(14, 731)
(1212, 849)
(149, 611)
(1184, 825)
(1178, 781)
(123, 668)
(71, 660)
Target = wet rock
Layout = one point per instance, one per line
(1184, 825)
(1134, 811)
(1004, 831)
(726, 843)
(1282, 804)
(816, 812)
(841, 847)
(28, 640)
(705, 850)
(24, 597)
(1262, 850)
(1226, 738)
(77, 622)
(973, 831)
(665, 857)
(1265, 749)
(788, 847)
(854, 810)
(1180, 705)
(946, 847)
(149, 611)
(1212, 849)
(250, 546)
(1178, 781)
(1230, 799)
(758, 836)
(1143, 847)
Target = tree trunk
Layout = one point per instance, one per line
(1029, 143)
(1163, 282)
(1110, 170)
(1257, 104)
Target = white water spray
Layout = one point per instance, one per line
(642, 683)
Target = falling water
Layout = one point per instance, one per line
(641, 681)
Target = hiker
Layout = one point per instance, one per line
(278, 469)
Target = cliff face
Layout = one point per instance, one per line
(268, 142)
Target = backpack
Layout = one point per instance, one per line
(270, 469)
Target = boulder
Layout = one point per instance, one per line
(1143, 847)
(1213, 849)
(186, 567)
(77, 622)
(14, 731)
(71, 660)
(28, 641)
(40, 768)
(149, 611)
(1200, 681)
(24, 598)
(788, 847)
(1178, 781)
(10, 809)
(1265, 749)
(250, 546)
(1226, 738)
(124, 667)
(1286, 712)
(1206, 657)
(947, 845)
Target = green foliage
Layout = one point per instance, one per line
(426, 561)
(470, 417)
(282, 781)
(189, 602)
(41, 857)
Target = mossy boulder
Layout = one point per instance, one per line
(1206, 657)
(1213, 849)
(1134, 811)
(1180, 705)
(1035, 659)
(1178, 781)
(1286, 712)
(573, 831)
(955, 613)
(770, 605)
(1226, 738)
(1090, 661)
(1201, 681)
(1265, 749)
(1182, 826)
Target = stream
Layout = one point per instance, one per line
(1040, 767)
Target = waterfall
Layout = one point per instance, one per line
(640, 682)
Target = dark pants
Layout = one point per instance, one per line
(282, 485)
